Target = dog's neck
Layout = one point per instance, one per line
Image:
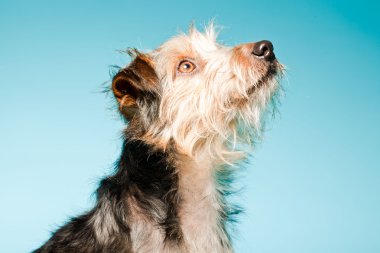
(199, 212)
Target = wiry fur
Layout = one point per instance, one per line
(168, 191)
(203, 112)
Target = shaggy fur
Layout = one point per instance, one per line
(188, 104)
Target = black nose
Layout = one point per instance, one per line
(264, 49)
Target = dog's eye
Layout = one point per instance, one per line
(186, 67)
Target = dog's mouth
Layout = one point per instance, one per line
(271, 73)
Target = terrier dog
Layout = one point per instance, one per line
(187, 104)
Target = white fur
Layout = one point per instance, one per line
(197, 110)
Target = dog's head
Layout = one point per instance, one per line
(197, 94)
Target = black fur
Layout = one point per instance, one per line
(143, 173)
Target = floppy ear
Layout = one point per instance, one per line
(132, 84)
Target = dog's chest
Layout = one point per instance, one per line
(200, 210)
(199, 219)
(200, 231)
(199, 224)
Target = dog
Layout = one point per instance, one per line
(188, 105)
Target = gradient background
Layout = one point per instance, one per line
(313, 184)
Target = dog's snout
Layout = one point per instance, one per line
(264, 49)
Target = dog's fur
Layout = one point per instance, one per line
(168, 191)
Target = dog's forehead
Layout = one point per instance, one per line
(192, 44)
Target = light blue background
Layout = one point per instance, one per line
(313, 184)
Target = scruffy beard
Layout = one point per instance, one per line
(209, 115)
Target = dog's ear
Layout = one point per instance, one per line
(134, 84)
